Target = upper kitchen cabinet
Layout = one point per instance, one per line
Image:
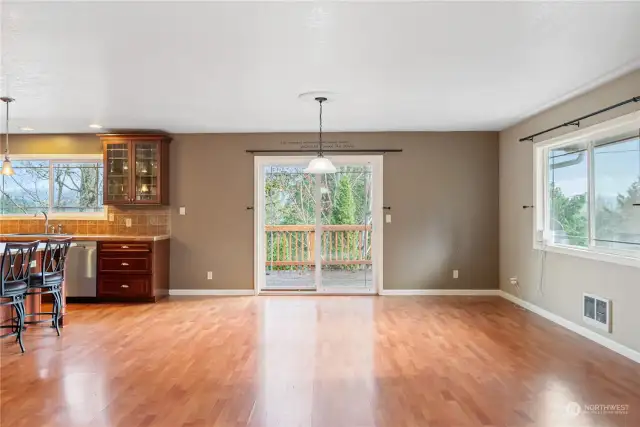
(136, 169)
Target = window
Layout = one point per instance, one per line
(617, 189)
(568, 189)
(69, 187)
(588, 190)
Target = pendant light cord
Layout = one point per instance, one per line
(320, 100)
(6, 100)
(6, 145)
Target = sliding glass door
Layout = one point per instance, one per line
(318, 232)
(346, 227)
(289, 227)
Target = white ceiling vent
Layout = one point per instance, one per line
(596, 311)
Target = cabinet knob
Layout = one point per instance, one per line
(125, 247)
(124, 286)
(126, 264)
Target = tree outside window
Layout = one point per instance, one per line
(53, 187)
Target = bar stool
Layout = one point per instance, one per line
(14, 282)
(49, 280)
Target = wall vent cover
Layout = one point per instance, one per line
(596, 311)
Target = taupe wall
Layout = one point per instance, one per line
(55, 144)
(565, 277)
(443, 190)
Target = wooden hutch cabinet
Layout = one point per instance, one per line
(136, 169)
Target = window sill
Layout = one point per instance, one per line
(591, 254)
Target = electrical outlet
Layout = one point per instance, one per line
(387, 218)
(112, 217)
(33, 264)
(514, 282)
(209, 275)
(455, 274)
(183, 210)
(127, 222)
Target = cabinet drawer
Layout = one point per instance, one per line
(125, 247)
(125, 264)
(124, 286)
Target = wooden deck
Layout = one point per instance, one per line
(294, 279)
(294, 246)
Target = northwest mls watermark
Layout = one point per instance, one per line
(575, 409)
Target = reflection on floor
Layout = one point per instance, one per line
(314, 361)
(283, 279)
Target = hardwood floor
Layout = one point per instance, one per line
(313, 361)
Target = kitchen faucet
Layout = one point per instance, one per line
(46, 222)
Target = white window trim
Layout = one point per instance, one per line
(626, 123)
(71, 158)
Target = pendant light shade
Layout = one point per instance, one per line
(7, 169)
(320, 164)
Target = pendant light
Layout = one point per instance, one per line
(7, 169)
(320, 164)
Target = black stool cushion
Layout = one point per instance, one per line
(14, 288)
(50, 279)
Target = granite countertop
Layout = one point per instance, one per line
(81, 237)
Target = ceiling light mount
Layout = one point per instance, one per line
(312, 96)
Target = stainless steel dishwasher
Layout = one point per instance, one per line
(81, 269)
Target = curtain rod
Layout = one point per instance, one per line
(381, 150)
(576, 122)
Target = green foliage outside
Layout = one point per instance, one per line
(569, 214)
(344, 212)
(623, 216)
(289, 200)
(344, 207)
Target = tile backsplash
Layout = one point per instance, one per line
(145, 221)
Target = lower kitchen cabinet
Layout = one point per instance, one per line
(125, 287)
(133, 271)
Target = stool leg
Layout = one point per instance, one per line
(55, 307)
(15, 321)
(16, 306)
(57, 304)
(20, 304)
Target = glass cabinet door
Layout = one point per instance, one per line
(117, 173)
(146, 156)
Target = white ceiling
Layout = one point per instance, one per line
(239, 67)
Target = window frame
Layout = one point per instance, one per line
(542, 239)
(53, 159)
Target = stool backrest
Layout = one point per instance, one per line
(16, 263)
(55, 255)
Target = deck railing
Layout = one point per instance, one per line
(291, 247)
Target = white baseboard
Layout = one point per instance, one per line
(436, 292)
(578, 329)
(211, 292)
